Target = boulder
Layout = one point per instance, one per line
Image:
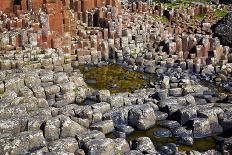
(121, 146)
(201, 127)
(69, 128)
(52, 129)
(142, 117)
(145, 145)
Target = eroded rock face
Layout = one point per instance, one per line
(223, 30)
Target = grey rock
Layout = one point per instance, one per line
(106, 126)
(181, 132)
(52, 129)
(69, 128)
(64, 145)
(186, 141)
(100, 147)
(142, 117)
(169, 124)
(89, 135)
(162, 133)
(121, 146)
(145, 145)
(201, 127)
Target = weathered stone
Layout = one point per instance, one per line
(169, 124)
(89, 135)
(103, 107)
(200, 127)
(162, 133)
(186, 141)
(145, 145)
(121, 146)
(142, 117)
(103, 126)
(70, 128)
(181, 132)
(52, 90)
(100, 147)
(52, 129)
(67, 145)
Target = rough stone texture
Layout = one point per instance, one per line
(145, 145)
(100, 147)
(142, 117)
(104, 126)
(223, 30)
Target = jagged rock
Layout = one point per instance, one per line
(82, 121)
(125, 129)
(39, 92)
(60, 77)
(12, 125)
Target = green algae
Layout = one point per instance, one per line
(115, 78)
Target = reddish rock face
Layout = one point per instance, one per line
(6, 5)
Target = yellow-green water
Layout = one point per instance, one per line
(108, 76)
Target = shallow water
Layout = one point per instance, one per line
(115, 78)
(201, 145)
